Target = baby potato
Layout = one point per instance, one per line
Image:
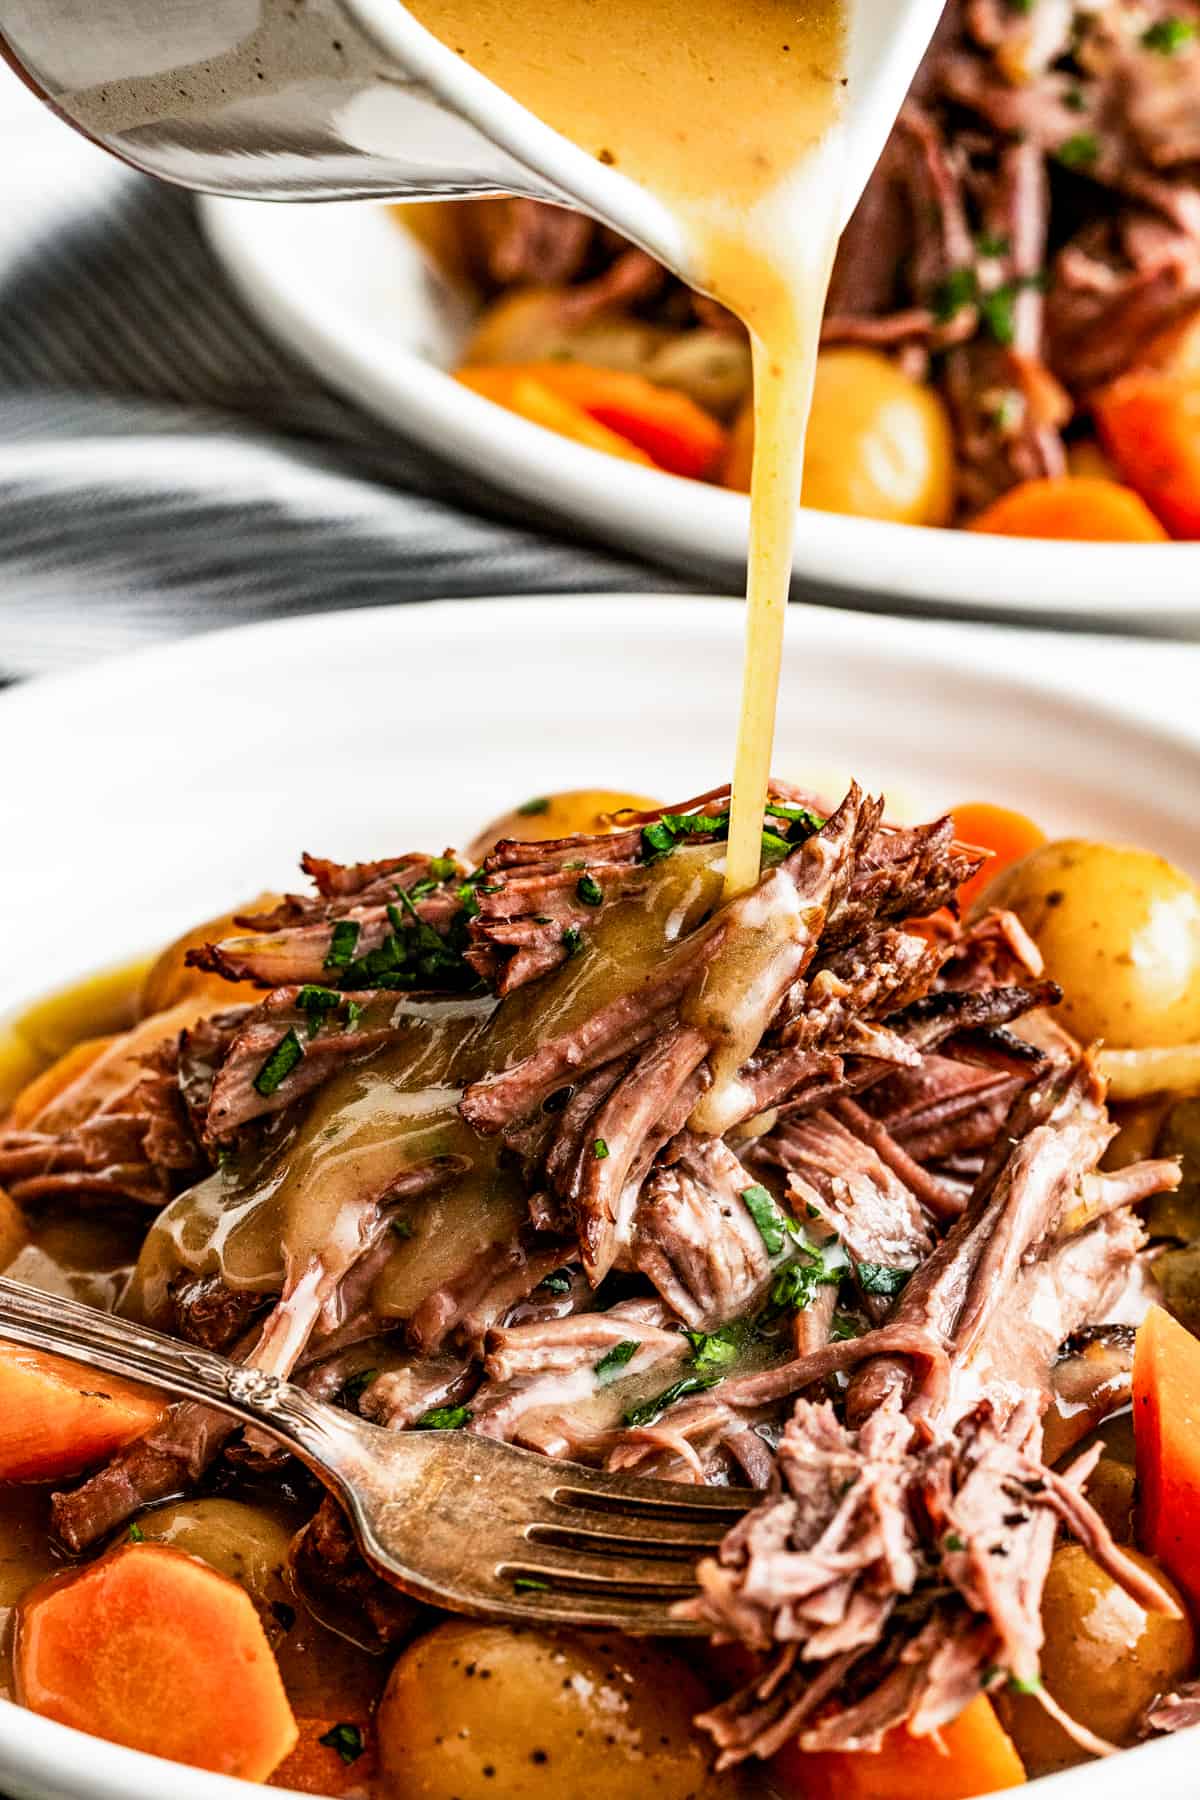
(557, 815)
(1120, 930)
(879, 443)
(247, 1543)
(1104, 1659)
(169, 980)
(474, 1711)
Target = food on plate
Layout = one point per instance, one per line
(1028, 251)
(814, 1190)
(1087, 508)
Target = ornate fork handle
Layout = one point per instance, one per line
(49, 1322)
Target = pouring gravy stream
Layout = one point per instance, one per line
(729, 115)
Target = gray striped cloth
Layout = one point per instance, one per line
(165, 468)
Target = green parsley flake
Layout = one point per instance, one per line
(1169, 36)
(651, 1410)
(135, 1534)
(526, 1584)
(558, 1282)
(844, 1327)
(614, 1360)
(1022, 1685)
(953, 1542)
(572, 940)
(1080, 151)
(354, 1389)
(717, 1349)
(772, 1226)
(404, 1228)
(992, 244)
(342, 944)
(279, 1065)
(959, 289)
(599, 1149)
(354, 1012)
(816, 1265)
(347, 1740)
(444, 1418)
(877, 1278)
(589, 891)
(316, 1003)
(442, 867)
(539, 804)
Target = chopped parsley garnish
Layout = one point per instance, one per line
(614, 1360)
(528, 1584)
(444, 1418)
(998, 310)
(316, 1003)
(717, 1349)
(589, 891)
(354, 1012)
(572, 940)
(650, 1410)
(135, 1534)
(354, 1389)
(559, 1282)
(772, 1226)
(342, 944)
(279, 1065)
(347, 1740)
(599, 1149)
(952, 1541)
(816, 1265)
(1169, 36)
(1021, 1685)
(844, 1327)
(877, 1278)
(404, 1228)
(414, 955)
(442, 867)
(993, 244)
(660, 838)
(539, 804)
(1079, 151)
(959, 289)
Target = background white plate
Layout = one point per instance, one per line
(154, 790)
(347, 290)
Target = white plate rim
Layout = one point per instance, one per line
(854, 562)
(41, 1758)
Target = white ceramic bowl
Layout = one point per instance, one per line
(175, 781)
(348, 290)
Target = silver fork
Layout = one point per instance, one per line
(460, 1521)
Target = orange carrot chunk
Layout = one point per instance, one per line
(1150, 424)
(1082, 508)
(519, 393)
(1166, 1421)
(153, 1649)
(669, 426)
(58, 1418)
(972, 1755)
(55, 1080)
(331, 1757)
(1008, 835)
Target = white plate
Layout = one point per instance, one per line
(160, 787)
(346, 289)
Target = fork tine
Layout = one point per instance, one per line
(617, 1535)
(587, 1573)
(664, 1502)
(635, 1616)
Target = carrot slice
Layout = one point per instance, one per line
(520, 393)
(1082, 508)
(14, 1234)
(669, 426)
(1150, 424)
(58, 1418)
(1008, 835)
(972, 1755)
(153, 1649)
(331, 1757)
(1166, 1422)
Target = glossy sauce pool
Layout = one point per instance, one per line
(728, 113)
